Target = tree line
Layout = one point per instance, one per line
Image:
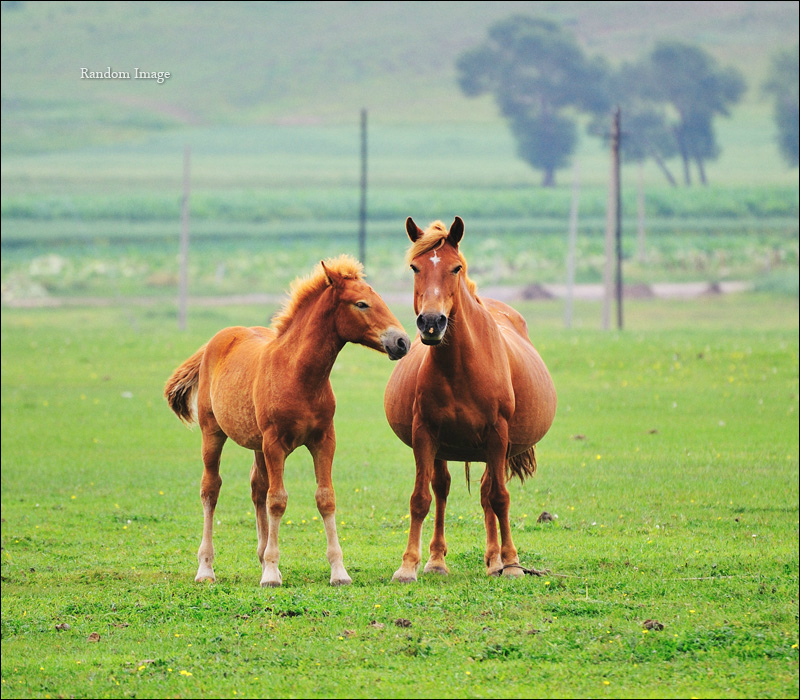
(540, 78)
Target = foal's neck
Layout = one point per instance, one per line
(310, 341)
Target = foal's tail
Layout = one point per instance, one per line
(181, 387)
(522, 465)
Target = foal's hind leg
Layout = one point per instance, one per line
(259, 483)
(209, 493)
(441, 489)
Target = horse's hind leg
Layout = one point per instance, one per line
(495, 500)
(322, 452)
(209, 493)
(259, 483)
(441, 489)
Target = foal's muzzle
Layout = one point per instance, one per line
(432, 327)
(396, 343)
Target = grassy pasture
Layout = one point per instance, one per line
(672, 467)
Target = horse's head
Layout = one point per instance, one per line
(362, 316)
(438, 269)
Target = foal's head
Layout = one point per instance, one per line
(439, 269)
(361, 315)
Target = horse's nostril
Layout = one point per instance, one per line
(402, 344)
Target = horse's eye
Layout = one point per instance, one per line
(414, 269)
(457, 269)
(362, 305)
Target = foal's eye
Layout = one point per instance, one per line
(362, 305)
(457, 269)
(414, 269)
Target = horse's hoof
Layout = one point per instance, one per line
(512, 572)
(271, 584)
(440, 569)
(346, 581)
(404, 577)
(205, 576)
(497, 573)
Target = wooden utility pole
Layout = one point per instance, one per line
(183, 274)
(571, 245)
(362, 228)
(612, 281)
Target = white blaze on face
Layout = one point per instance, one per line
(435, 259)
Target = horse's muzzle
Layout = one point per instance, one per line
(432, 328)
(396, 343)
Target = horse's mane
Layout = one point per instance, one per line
(305, 288)
(434, 238)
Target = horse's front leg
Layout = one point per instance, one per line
(495, 500)
(322, 451)
(259, 483)
(420, 504)
(275, 458)
(209, 494)
(441, 489)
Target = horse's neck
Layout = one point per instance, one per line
(466, 337)
(309, 345)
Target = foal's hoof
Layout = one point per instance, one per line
(271, 584)
(205, 574)
(343, 581)
(512, 571)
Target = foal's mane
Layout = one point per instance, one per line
(434, 238)
(306, 288)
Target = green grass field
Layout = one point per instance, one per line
(673, 461)
(672, 467)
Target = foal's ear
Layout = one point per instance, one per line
(414, 231)
(456, 231)
(332, 276)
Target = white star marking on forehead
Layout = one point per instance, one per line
(435, 259)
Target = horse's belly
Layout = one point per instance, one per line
(239, 424)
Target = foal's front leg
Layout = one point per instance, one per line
(322, 451)
(275, 457)
(209, 494)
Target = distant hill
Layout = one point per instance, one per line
(313, 62)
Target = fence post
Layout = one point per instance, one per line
(362, 228)
(183, 274)
(613, 283)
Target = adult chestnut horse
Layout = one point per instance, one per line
(268, 389)
(472, 388)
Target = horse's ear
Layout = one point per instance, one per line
(332, 276)
(456, 231)
(414, 231)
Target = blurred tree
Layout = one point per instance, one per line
(644, 121)
(690, 81)
(535, 70)
(782, 85)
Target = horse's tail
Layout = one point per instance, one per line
(181, 387)
(522, 465)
